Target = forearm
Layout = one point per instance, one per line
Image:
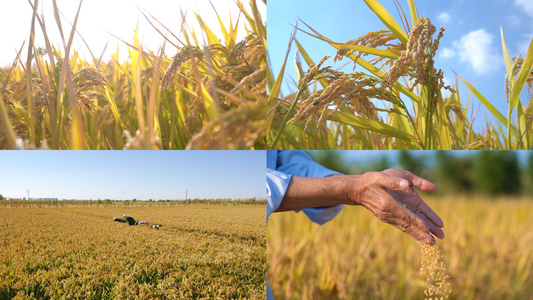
(306, 192)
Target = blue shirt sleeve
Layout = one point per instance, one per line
(281, 166)
(277, 185)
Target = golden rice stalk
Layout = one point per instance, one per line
(88, 80)
(250, 80)
(249, 51)
(88, 77)
(16, 97)
(177, 60)
(417, 59)
(239, 128)
(351, 90)
(372, 39)
(451, 103)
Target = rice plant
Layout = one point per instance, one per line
(204, 96)
(202, 251)
(487, 254)
(336, 109)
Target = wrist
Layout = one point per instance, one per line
(306, 192)
(345, 185)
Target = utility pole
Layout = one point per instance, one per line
(28, 194)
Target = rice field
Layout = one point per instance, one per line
(390, 95)
(487, 253)
(202, 251)
(205, 95)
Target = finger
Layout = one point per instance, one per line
(391, 182)
(421, 183)
(413, 225)
(430, 214)
(414, 232)
(432, 228)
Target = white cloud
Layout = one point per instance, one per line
(446, 17)
(526, 5)
(476, 49)
(447, 53)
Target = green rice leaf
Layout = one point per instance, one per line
(273, 96)
(372, 125)
(488, 105)
(522, 126)
(113, 106)
(387, 19)
(413, 12)
(298, 68)
(506, 56)
(227, 35)
(363, 49)
(368, 50)
(308, 61)
(211, 37)
(522, 76)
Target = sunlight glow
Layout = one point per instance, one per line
(99, 20)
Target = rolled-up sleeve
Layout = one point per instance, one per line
(281, 166)
(277, 185)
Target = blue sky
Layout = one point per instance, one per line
(133, 174)
(471, 45)
(99, 18)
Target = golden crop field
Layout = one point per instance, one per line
(197, 97)
(487, 252)
(201, 251)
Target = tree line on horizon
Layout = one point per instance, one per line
(23, 202)
(487, 173)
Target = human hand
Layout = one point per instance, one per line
(410, 199)
(390, 196)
